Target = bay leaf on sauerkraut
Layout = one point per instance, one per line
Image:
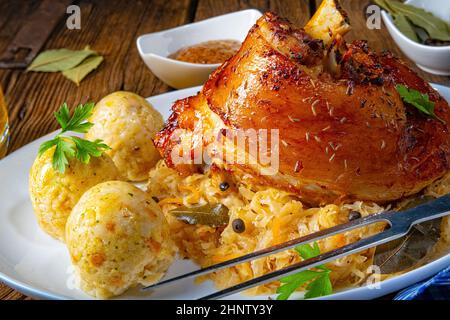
(406, 252)
(211, 215)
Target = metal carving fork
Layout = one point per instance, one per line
(400, 222)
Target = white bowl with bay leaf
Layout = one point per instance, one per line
(421, 28)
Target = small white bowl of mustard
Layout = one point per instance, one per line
(185, 56)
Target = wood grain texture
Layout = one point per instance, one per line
(111, 27)
(295, 10)
(33, 97)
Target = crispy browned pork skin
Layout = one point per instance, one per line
(346, 133)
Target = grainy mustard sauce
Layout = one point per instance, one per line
(215, 51)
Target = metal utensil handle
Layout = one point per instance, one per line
(276, 248)
(424, 212)
(360, 245)
(400, 225)
(403, 220)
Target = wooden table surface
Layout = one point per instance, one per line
(111, 28)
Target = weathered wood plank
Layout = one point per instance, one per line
(6, 293)
(33, 97)
(9, 25)
(138, 78)
(295, 10)
(211, 8)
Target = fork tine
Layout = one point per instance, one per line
(280, 247)
(400, 222)
(363, 244)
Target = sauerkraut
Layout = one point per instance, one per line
(118, 238)
(271, 216)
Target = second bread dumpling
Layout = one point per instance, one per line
(118, 238)
(54, 194)
(127, 123)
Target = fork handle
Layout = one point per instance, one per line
(401, 223)
(424, 212)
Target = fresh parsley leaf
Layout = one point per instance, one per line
(78, 121)
(308, 252)
(68, 147)
(319, 283)
(321, 286)
(292, 282)
(63, 152)
(47, 145)
(86, 149)
(417, 99)
(63, 116)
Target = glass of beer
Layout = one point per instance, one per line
(4, 129)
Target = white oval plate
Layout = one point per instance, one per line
(35, 264)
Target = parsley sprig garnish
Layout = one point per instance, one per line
(68, 147)
(318, 280)
(417, 99)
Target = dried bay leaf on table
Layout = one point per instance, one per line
(210, 215)
(59, 59)
(81, 71)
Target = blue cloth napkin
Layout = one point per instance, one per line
(435, 288)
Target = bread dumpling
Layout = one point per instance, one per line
(54, 194)
(118, 238)
(127, 123)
